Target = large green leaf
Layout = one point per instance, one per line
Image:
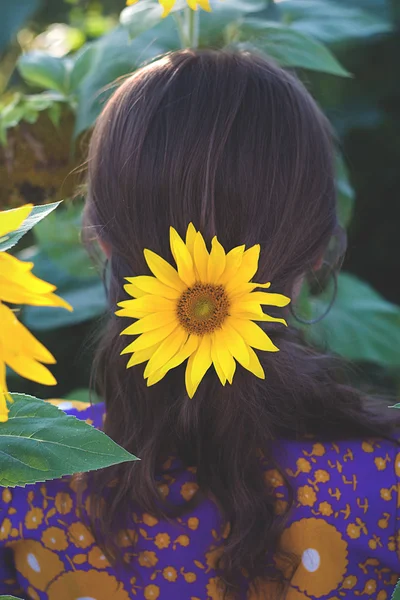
(332, 22)
(396, 592)
(37, 214)
(40, 442)
(141, 16)
(290, 47)
(361, 325)
(113, 56)
(45, 71)
(9, 598)
(13, 16)
(225, 16)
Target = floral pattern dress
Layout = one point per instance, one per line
(344, 528)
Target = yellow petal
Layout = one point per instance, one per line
(216, 261)
(150, 322)
(131, 2)
(128, 311)
(140, 357)
(18, 271)
(205, 5)
(201, 361)
(201, 257)
(217, 366)
(155, 378)
(30, 369)
(133, 290)
(254, 365)
(233, 261)
(150, 285)
(182, 258)
(150, 338)
(167, 6)
(4, 393)
(239, 306)
(11, 220)
(224, 357)
(15, 294)
(190, 237)
(163, 271)
(235, 343)
(187, 350)
(247, 269)
(190, 388)
(166, 351)
(192, 4)
(255, 316)
(148, 304)
(266, 298)
(253, 335)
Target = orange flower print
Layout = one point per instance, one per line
(127, 538)
(322, 476)
(323, 554)
(6, 495)
(188, 490)
(87, 584)
(182, 540)
(79, 559)
(54, 538)
(97, 559)
(189, 577)
(164, 491)
(63, 503)
(397, 464)
(386, 494)
(162, 540)
(33, 593)
(213, 557)
(80, 535)
(215, 589)
(151, 592)
(274, 478)
(170, 574)
(280, 506)
(303, 465)
(382, 595)
(149, 520)
(353, 531)
(325, 509)
(370, 587)
(318, 450)
(147, 559)
(349, 582)
(306, 495)
(33, 518)
(193, 523)
(5, 529)
(380, 463)
(36, 563)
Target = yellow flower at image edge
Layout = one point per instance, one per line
(169, 4)
(203, 311)
(19, 349)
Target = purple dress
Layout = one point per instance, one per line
(344, 528)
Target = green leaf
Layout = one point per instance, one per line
(9, 598)
(40, 442)
(290, 47)
(396, 592)
(82, 62)
(226, 15)
(395, 406)
(113, 56)
(332, 22)
(361, 325)
(141, 16)
(45, 71)
(37, 214)
(13, 16)
(345, 193)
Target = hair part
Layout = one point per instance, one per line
(238, 146)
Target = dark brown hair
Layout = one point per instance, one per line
(236, 145)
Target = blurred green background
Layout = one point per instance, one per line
(59, 61)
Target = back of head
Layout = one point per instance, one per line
(237, 146)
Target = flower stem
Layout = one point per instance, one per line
(180, 25)
(193, 25)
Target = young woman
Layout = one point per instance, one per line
(261, 476)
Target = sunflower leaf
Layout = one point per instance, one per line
(40, 442)
(37, 214)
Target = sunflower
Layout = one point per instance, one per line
(203, 311)
(169, 4)
(19, 349)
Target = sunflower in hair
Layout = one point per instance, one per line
(202, 311)
(168, 5)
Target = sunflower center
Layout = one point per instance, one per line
(203, 308)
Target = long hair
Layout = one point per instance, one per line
(238, 146)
